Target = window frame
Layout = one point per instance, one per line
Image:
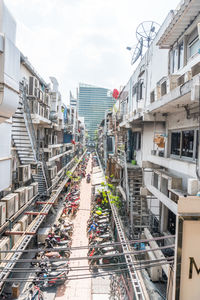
(181, 44)
(181, 157)
(137, 138)
(194, 41)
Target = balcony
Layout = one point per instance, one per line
(168, 102)
(167, 188)
(184, 166)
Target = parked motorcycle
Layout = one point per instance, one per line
(50, 279)
(88, 178)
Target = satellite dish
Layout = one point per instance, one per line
(147, 31)
(137, 52)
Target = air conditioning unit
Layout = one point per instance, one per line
(55, 171)
(51, 172)
(23, 222)
(195, 90)
(184, 78)
(2, 213)
(195, 70)
(30, 192)
(155, 273)
(15, 238)
(24, 173)
(192, 186)
(35, 188)
(10, 204)
(4, 246)
(172, 81)
(22, 196)
(26, 194)
(143, 191)
(16, 202)
(33, 86)
(181, 80)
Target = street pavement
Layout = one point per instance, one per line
(79, 288)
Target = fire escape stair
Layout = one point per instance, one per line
(25, 143)
(21, 138)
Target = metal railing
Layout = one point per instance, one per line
(29, 124)
(39, 157)
(126, 184)
(135, 279)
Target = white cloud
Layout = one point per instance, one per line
(82, 40)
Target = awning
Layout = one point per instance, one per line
(182, 19)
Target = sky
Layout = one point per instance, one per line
(83, 40)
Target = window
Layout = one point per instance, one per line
(140, 90)
(197, 144)
(193, 43)
(163, 88)
(173, 60)
(110, 143)
(187, 143)
(134, 90)
(152, 97)
(180, 55)
(194, 46)
(184, 143)
(136, 140)
(175, 143)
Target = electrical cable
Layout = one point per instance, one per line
(95, 256)
(79, 276)
(170, 258)
(89, 246)
(198, 154)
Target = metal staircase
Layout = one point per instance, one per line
(138, 204)
(24, 139)
(21, 137)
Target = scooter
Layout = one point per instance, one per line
(88, 178)
(52, 278)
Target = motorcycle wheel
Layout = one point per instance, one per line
(115, 260)
(67, 254)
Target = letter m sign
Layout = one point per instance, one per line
(193, 263)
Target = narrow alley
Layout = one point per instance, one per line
(79, 288)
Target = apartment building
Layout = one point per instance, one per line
(152, 141)
(10, 75)
(40, 139)
(38, 129)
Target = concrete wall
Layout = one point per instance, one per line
(5, 155)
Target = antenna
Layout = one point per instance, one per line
(147, 31)
(137, 52)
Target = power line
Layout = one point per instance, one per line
(77, 277)
(95, 256)
(171, 258)
(88, 246)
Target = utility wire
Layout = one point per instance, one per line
(171, 258)
(94, 256)
(89, 246)
(77, 277)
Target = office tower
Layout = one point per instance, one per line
(93, 102)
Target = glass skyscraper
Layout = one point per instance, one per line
(92, 104)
